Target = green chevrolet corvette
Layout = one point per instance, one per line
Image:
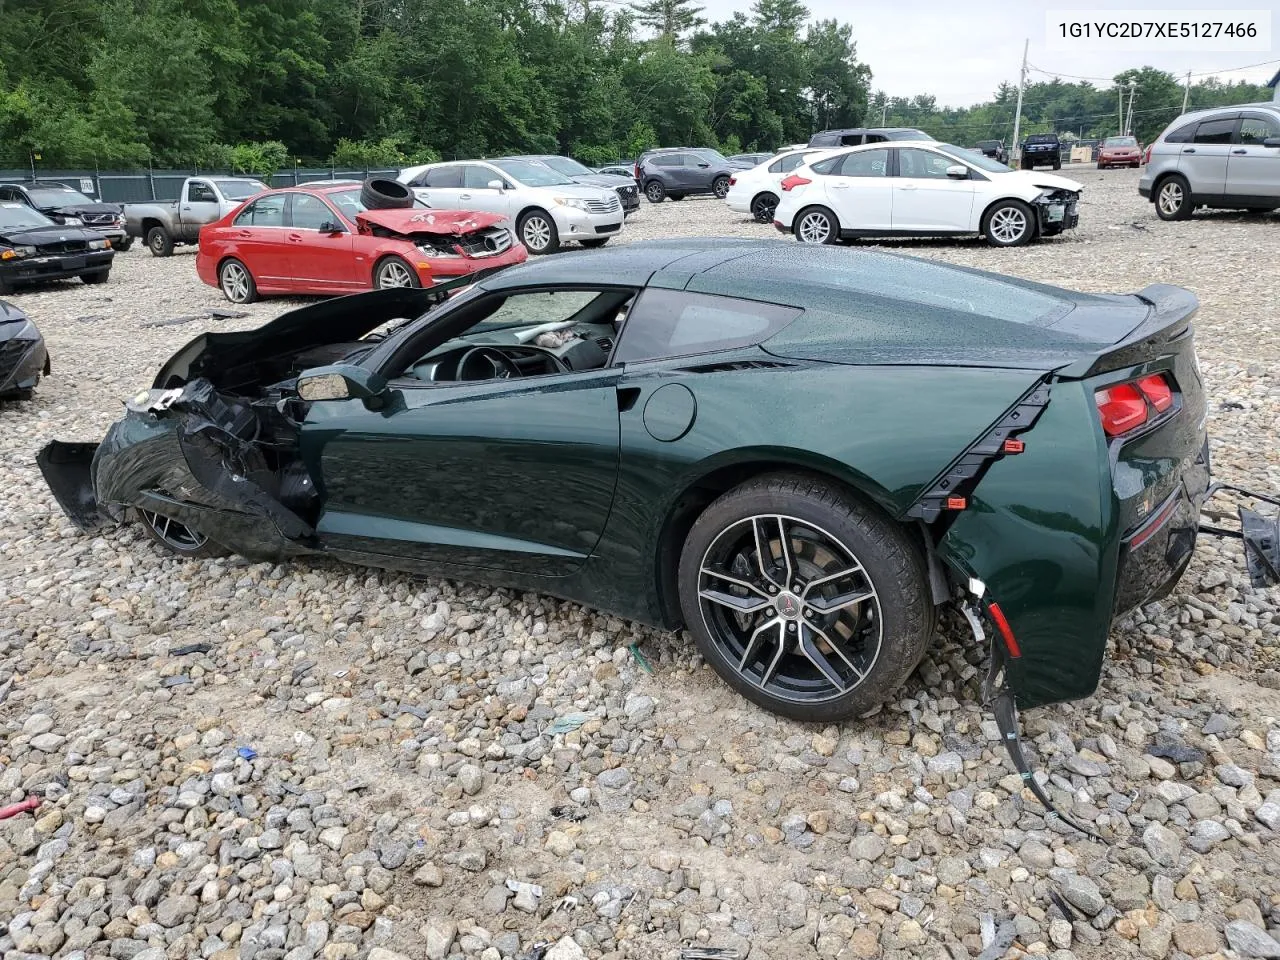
(799, 454)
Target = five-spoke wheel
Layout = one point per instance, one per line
(177, 537)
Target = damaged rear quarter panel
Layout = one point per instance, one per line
(1040, 531)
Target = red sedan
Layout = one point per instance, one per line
(1119, 152)
(320, 238)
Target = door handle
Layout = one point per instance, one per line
(464, 196)
(1239, 152)
(1189, 150)
(907, 186)
(244, 234)
(295, 238)
(186, 208)
(839, 186)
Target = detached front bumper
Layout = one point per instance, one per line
(55, 266)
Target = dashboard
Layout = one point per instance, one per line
(522, 352)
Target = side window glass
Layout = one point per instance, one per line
(475, 177)
(672, 323)
(200, 192)
(1215, 131)
(308, 212)
(923, 163)
(1253, 130)
(1183, 134)
(263, 212)
(446, 177)
(865, 163)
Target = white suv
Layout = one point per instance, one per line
(1226, 157)
(546, 207)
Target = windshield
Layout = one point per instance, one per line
(56, 196)
(715, 155)
(1043, 138)
(1120, 142)
(240, 189)
(974, 158)
(15, 215)
(349, 202)
(566, 165)
(531, 173)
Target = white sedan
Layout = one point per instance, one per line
(922, 189)
(756, 191)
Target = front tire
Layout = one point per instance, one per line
(123, 246)
(1173, 199)
(392, 272)
(816, 225)
(1009, 223)
(98, 276)
(159, 242)
(538, 232)
(177, 538)
(655, 191)
(763, 207)
(804, 600)
(236, 282)
(594, 244)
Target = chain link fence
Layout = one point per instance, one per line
(133, 186)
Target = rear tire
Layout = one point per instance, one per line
(763, 207)
(836, 637)
(159, 242)
(236, 282)
(655, 191)
(1173, 198)
(1009, 223)
(720, 187)
(816, 225)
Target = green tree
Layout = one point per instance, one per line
(669, 19)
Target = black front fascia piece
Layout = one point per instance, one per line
(1260, 535)
(960, 479)
(67, 469)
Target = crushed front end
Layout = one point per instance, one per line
(1057, 210)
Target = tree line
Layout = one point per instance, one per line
(262, 85)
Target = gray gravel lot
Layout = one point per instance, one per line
(407, 765)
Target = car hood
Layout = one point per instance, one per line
(585, 191)
(237, 358)
(38, 236)
(1048, 181)
(415, 220)
(75, 209)
(609, 180)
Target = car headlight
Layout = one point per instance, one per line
(17, 253)
(73, 222)
(99, 244)
(576, 202)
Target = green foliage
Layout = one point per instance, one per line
(380, 83)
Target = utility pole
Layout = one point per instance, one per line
(1022, 82)
(884, 111)
(1128, 124)
(1119, 110)
(1186, 92)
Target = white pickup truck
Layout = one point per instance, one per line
(203, 200)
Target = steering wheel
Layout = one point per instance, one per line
(486, 363)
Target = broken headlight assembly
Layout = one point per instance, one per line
(17, 253)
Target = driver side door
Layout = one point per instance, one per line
(513, 475)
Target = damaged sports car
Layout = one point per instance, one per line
(799, 453)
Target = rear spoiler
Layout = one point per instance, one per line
(1169, 319)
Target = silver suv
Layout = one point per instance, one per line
(1227, 157)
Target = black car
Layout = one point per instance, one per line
(855, 136)
(625, 185)
(23, 357)
(678, 172)
(993, 149)
(1041, 150)
(33, 249)
(63, 205)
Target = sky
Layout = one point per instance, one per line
(961, 50)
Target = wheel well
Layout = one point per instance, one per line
(816, 206)
(764, 193)
(222, 262)
(1162, 179)
(383, 259)
(151, 222)
(530, 209)
(982, 220)
(701, 493)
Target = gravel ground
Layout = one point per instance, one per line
(414, 746)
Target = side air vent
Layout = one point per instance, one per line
(738, 365)
(604, 343)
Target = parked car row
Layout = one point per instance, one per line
(34, 248)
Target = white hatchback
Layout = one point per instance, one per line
(756, 191)
(923, 188)
(546, 207)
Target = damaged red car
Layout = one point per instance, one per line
(328, 239)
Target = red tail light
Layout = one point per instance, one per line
(1156, 389)
(1124, 407)
(637, 171)
(793, 181)
(732, 181)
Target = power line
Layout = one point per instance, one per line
(1112, 80)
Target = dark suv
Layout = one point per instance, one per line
(993, 149)
(855, 136)
(1041, 150)
(677, 172)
